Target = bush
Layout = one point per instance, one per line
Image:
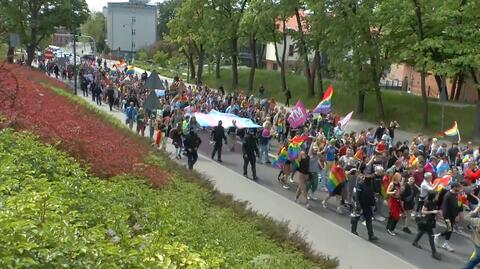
(53, 214)
(160, 58)
(142, 55)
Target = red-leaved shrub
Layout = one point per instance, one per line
(108, 151)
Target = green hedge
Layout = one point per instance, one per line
(54, 214)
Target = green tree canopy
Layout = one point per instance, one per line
(35, 20)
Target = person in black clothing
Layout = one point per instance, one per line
(111, 97)
(97, 94)
(452, 153)
(303, 177)
(249, 150)
(408, 198)
(84, 85)
(93, 85)
(261, 91)
(288, 95)
(427, 222)
(56, 71)
(192, 142)
(218, 134)
(450, 210)
(380, 131)
(364, 202)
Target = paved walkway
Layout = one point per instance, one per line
(325, 236)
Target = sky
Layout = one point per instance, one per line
(97, 5)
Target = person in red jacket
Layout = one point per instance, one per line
(472, 173)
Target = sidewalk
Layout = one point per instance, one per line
(326, 237)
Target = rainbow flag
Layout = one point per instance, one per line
(452, 131)
(442, 182)
(462, 199)
(325, 106)
(282, 158)
(294, 151)
(130, 70)
(336, 177)
(294, 147)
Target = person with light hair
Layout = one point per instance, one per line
(425, 187)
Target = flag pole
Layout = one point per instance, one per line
(459, 138)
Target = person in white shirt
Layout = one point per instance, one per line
(425, 187)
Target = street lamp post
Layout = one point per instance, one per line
(74, 48)
(131, 36)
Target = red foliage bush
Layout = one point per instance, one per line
(31, 106)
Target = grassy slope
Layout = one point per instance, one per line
(405, 108)
(54, 213)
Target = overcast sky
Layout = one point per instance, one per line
(97, 5)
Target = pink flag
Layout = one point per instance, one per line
(298, 115)
(346, 119)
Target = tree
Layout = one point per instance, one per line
(35, 20)
(411, 28)
(96, 27)
(189, 29)
(228, 16)
(256, 24)
(280, 12)
(166, 13)
(353, 36)
(304, 50)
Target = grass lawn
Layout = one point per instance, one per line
(399, 106)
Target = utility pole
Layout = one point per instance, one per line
(74, 32)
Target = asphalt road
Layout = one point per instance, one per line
(399, 245)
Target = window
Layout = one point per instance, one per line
(133, 45)
(290, 50)
(134, 20)
(275, 66)
(134, 31)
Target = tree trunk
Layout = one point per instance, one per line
(260, 56)
(319, 73)
(253, 61)
(10, 54)
(201, 60)
(424, 96)
(281, 63)
(421, 37)
(461, 79)
(30, 54)
(378, 98)
(438, 80)
(304, 52)
(454, 88)
(476, 126)
(192, 65)
(217, 66)
(234, 54)
(360, 102)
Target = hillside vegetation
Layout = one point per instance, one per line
(53, 213)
